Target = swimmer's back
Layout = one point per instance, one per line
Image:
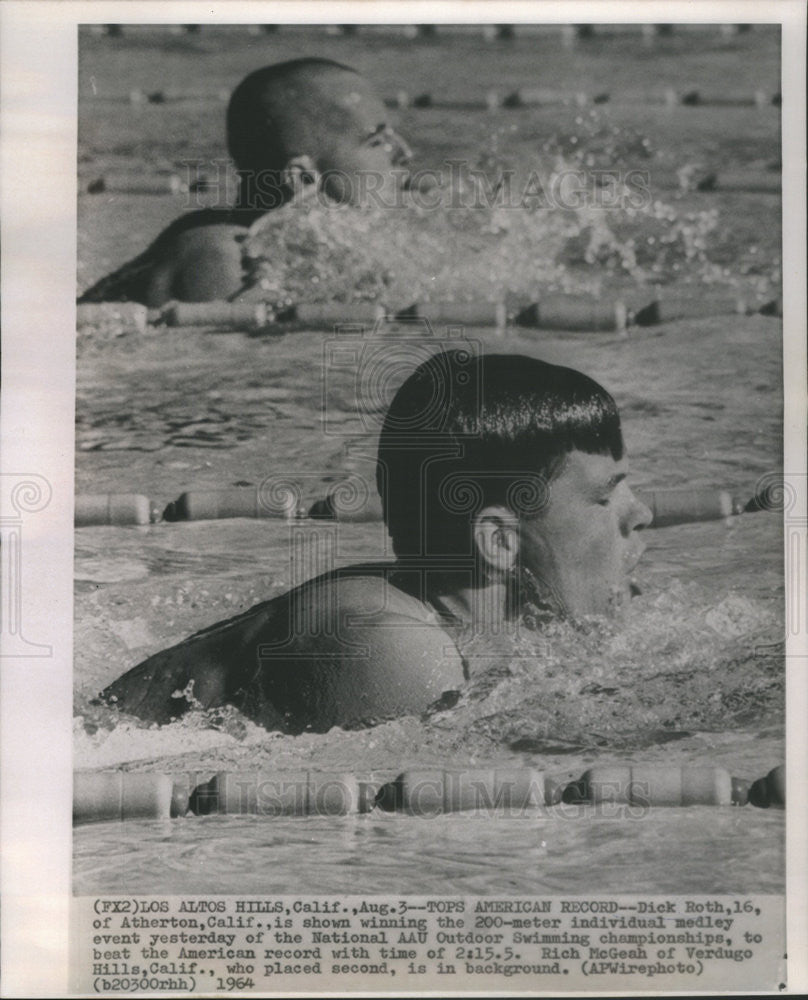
(347, 649)
(198, 258)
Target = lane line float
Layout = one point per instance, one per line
(105, 796)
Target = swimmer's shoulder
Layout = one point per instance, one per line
(207, 220)
(348, 648)
(343, 648)
(367, 605)
(197, 257)
(372, 592)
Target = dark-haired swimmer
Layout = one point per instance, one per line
(503, 484)
(304, 126)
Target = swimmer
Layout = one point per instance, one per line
(503, 486)
(294, 129)
(313, 119)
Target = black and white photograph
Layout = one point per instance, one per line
(438, 530)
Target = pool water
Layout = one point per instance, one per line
(568, 850)
(693, 675)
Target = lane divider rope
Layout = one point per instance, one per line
(104, 796)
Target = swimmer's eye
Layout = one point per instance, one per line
(605, 499)
(385, 137)
(380, 136)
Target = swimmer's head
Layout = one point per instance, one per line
(512, 468)
(311, 121)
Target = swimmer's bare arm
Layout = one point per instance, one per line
(193, 673)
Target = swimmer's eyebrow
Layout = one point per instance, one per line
(611, 484)
(601, 489)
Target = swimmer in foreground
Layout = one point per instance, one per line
(503, 486)
(294, 129)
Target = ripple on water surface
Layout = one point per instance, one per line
(568, 852)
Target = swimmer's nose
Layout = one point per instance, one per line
(640, 515)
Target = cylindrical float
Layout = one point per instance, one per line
(335, 507)
(748, 181)
(401, 100)
(493, 101)
(702, 98)
(240, 501)
(423, 101)
(575, 313)
(323, 315)
(180, 794)
(427, 792)
(498, 32)
(650, 32)
(492, 314)
(685, 506)
(771, 790)
(695, 306)
(172, 95)
(291, 793)
(526, 97)
(643, 785)
(158, 184)
(101, 796)
(224, 315)
(111, 508)
(130, 316)
(707, 179)
(739, 791)
(772, 308)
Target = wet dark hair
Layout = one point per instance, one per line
(464, 432)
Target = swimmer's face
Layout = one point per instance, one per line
(366, 164)
(357, 152)
(585, 543)
(313, 119)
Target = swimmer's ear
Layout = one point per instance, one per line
(300, 175)
(496, 538)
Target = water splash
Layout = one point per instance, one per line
(582, 215)
(679, 663)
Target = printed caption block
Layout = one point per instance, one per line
(263, 944)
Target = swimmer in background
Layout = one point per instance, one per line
(293, 129)
(503, 486)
